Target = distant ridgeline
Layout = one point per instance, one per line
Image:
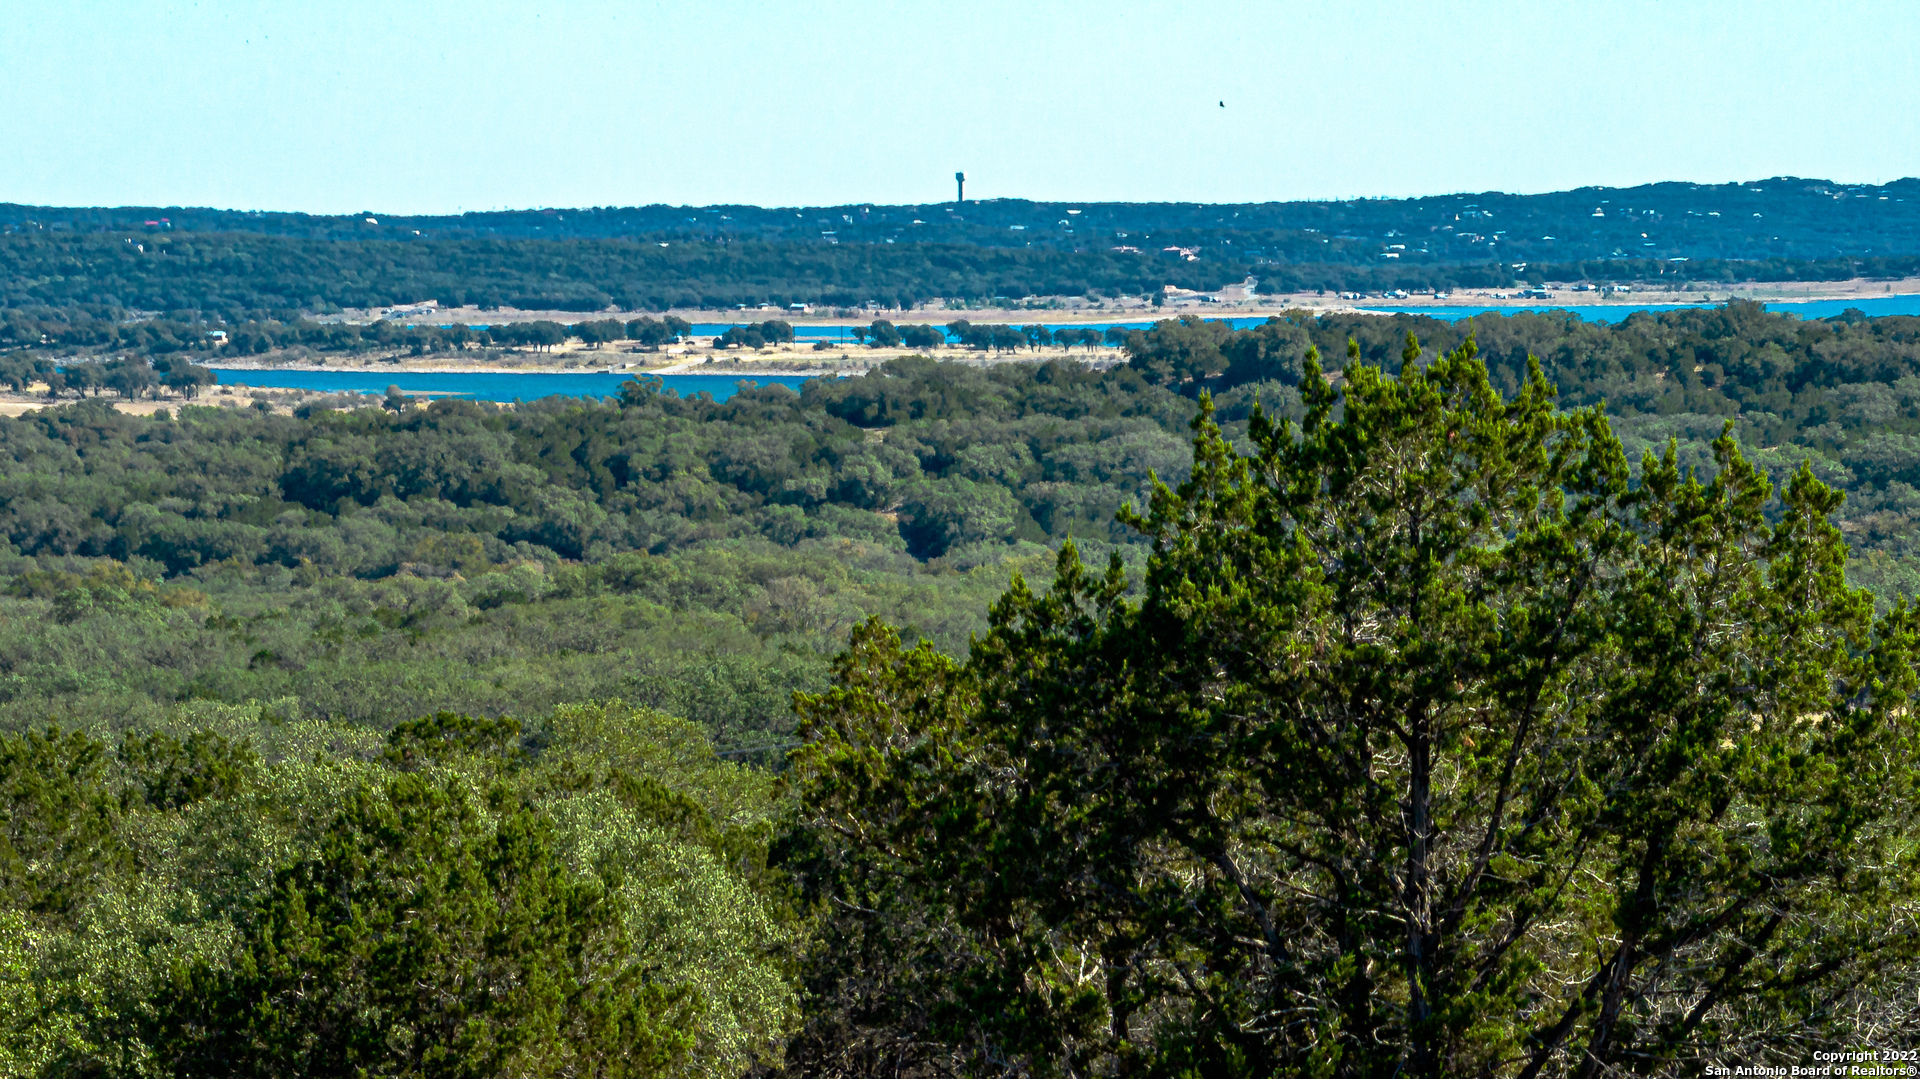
(659, 256)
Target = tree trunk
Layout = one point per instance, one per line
(1419, 899)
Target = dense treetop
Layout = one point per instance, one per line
(1437, 745)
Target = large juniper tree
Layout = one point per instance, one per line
(1441, 742)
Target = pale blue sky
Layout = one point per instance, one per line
(413, 107)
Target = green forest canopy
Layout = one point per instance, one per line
(1435, 746)
(238, 275)
(222, 628)
(1783, 217)
(659, 257)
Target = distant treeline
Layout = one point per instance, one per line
(236, 272)
(1444, 277)
(240, 275)
(1784, 217)
(50, 336)
(45, 341)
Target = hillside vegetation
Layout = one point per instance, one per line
(234, 264)
(1510, 698)
(1782, 217)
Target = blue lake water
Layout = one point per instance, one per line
(501, 386)
(1874, 306)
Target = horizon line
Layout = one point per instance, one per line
(463, 212)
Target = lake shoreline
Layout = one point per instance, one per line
(479, 369)
(803, 359)
(1232, 303)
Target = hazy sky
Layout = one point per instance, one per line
(409, 107)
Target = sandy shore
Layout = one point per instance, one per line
(277, 399)
(1765, 292)
(791, 359)
(418, 365)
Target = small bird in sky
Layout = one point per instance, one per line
(1223, 104)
